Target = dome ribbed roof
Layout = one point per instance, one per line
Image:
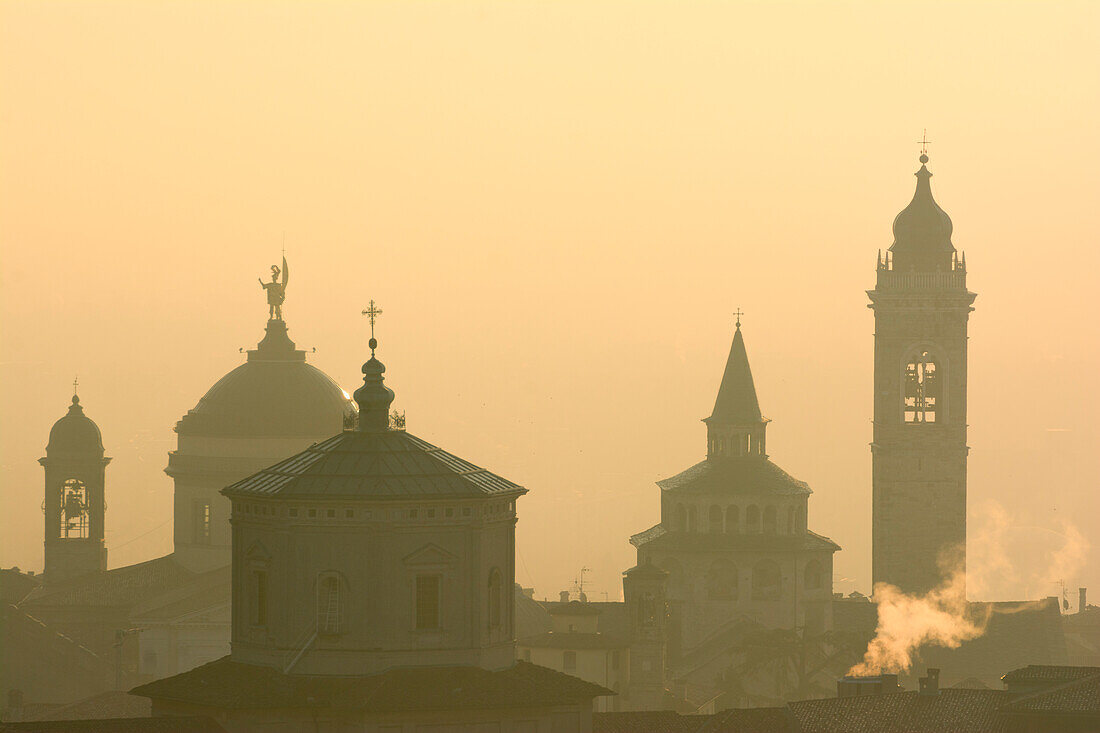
(75, 432)
(274, 394)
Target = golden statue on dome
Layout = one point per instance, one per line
(276, 291)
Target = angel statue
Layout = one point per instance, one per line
(276, 291)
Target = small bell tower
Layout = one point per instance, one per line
(74, 503)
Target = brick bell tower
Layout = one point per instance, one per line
(919, 451)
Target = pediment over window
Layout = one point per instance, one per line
(429, 554)
(258, 553)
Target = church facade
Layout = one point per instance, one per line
(734, 542)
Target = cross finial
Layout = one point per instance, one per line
(76, 381)
(372, 312)
(738, 313)
(924, 142)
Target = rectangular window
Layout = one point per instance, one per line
(431, 514)
(569, 661)
(202, 523)
(465, 511)
(427, 601)
(414, 513)
(614, 659)
(259, 598)
(349, 513)
(450, 511)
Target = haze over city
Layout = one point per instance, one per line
(559, 207)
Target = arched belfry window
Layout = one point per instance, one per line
(74, 510)
(496, 598)
(330, 614)
(922, 389)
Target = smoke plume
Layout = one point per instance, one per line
(943, 617)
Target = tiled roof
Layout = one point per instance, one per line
(958, 711)
(740, 475)
(378, 465)
(225, 684)
(573, 640)
(751, 720)
(203, 592)
(119, 587)
(1081, 696)
(742, 541)
(650, 721)
(1049, 673)
(15, 585)
(121, 725)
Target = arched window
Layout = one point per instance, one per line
(770, 524)
(691, 519)
(922, 389)
(714, 520)
(496, 599)
(681, 518)
(74, 509)
(752, 518)
(329, 604)
(765, 581)
(722, 581)
(811, 575)
(733, 520)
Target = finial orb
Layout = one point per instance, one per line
(373, 343)
(923, 158)
(76, 400)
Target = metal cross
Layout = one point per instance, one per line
(738, 313)
(372, 312)
(76, 381)
(924, 142)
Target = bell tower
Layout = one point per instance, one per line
(74, 504)
(919, 449)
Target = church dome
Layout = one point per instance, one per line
(75, 432)
(922, 230)
(275, 394)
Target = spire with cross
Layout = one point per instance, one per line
(76, 382)
(372, 312)
(737, 314)
(923, 142)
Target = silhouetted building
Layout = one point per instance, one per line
(734, 540)
(919, 449)
(171, 613)
(74, 502)
(373, 585)
(270, 407)
(576, 646)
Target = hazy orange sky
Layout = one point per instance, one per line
(558, 206)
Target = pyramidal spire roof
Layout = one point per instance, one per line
(737, 403)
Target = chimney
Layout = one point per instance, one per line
(564, 596)
(1081, 603)
(930, 684)
(881, 684)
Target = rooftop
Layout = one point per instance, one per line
(736, 475)
(385, 464)
(225, 684)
